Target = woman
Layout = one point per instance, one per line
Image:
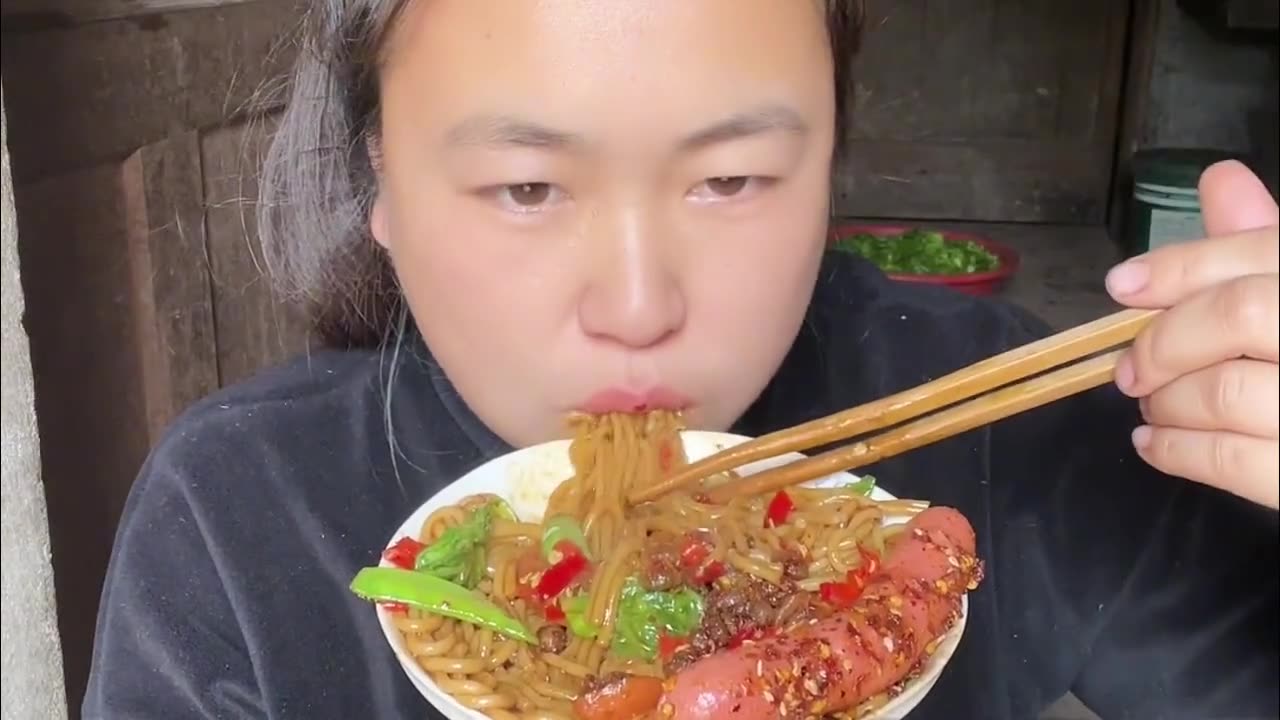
(504, 212)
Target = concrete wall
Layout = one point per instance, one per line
(31, 662)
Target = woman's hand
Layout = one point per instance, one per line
(1207, 370)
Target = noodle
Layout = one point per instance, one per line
(828, 529)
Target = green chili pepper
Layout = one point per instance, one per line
(863, 486)
(561, 528)
(503, 510)
(575, 613)
(430, 593)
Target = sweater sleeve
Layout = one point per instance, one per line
(1148, 596)
(168, 643)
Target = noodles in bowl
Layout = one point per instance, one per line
(517, 593)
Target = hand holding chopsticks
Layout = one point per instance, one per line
(968, 384)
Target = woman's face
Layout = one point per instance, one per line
(606, 205)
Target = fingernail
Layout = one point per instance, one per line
(1142, 437)
(1125, 376)
(1128, 278)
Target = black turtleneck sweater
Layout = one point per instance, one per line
(1147, 596)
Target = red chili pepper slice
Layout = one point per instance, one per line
(395, 608)
(779, 508)
(840, 595)
(561, 575)
(870, 563)
(566, 549)
(669, 645)
(404, 553)
(844, 594)
(666, 456)
(709, 573)
(694, 552)
(738, 638)
(552, 612)
(750, 633)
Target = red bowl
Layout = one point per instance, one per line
(980, 283)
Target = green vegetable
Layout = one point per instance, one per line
(436, 595)
(475, 570)
(575, 615)
(502, 510)
(645, 615)
(863, 486)
(458, 554)
(920, 252)
(563, 527)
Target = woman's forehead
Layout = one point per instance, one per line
(544, 23)
(712, 58)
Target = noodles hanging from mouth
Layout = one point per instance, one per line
(581, 580)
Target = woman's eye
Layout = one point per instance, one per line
(529, 194)
(529, 197)
(727, 187)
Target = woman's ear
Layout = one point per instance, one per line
(378, 211)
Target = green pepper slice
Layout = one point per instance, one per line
(563, 528)
(430, 593)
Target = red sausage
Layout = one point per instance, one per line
(837, 663)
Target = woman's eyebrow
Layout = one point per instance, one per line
(755, 121)
(508, 131)
(514, 131)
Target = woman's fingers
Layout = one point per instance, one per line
(1233, 199)
(1238, 396)
(1240, 219)
(1236, 319)
(1173, 273)
(1206, 369)
(1240, 464)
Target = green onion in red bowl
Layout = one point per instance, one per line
(966, 262)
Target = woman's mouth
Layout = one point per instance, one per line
(634, 401)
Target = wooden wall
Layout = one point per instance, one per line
(986, 110)
(134, 137)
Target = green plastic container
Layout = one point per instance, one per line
(1165, 204)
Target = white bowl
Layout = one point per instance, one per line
(525, 478)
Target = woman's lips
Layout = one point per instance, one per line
(622, 400)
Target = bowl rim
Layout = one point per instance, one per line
(1009, 259)
(898, 707)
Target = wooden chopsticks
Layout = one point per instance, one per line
(1006, 369)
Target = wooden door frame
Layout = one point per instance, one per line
(1135, 96)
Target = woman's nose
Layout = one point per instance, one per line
(633, 295)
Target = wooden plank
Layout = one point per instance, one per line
(988, 182)
(120, 324)
(256, 327)
(164, 208)
(90, 399)
(1143, 28)
(68, 12)
(91, 94)
(957, 100)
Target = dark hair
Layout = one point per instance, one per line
(318, 183)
